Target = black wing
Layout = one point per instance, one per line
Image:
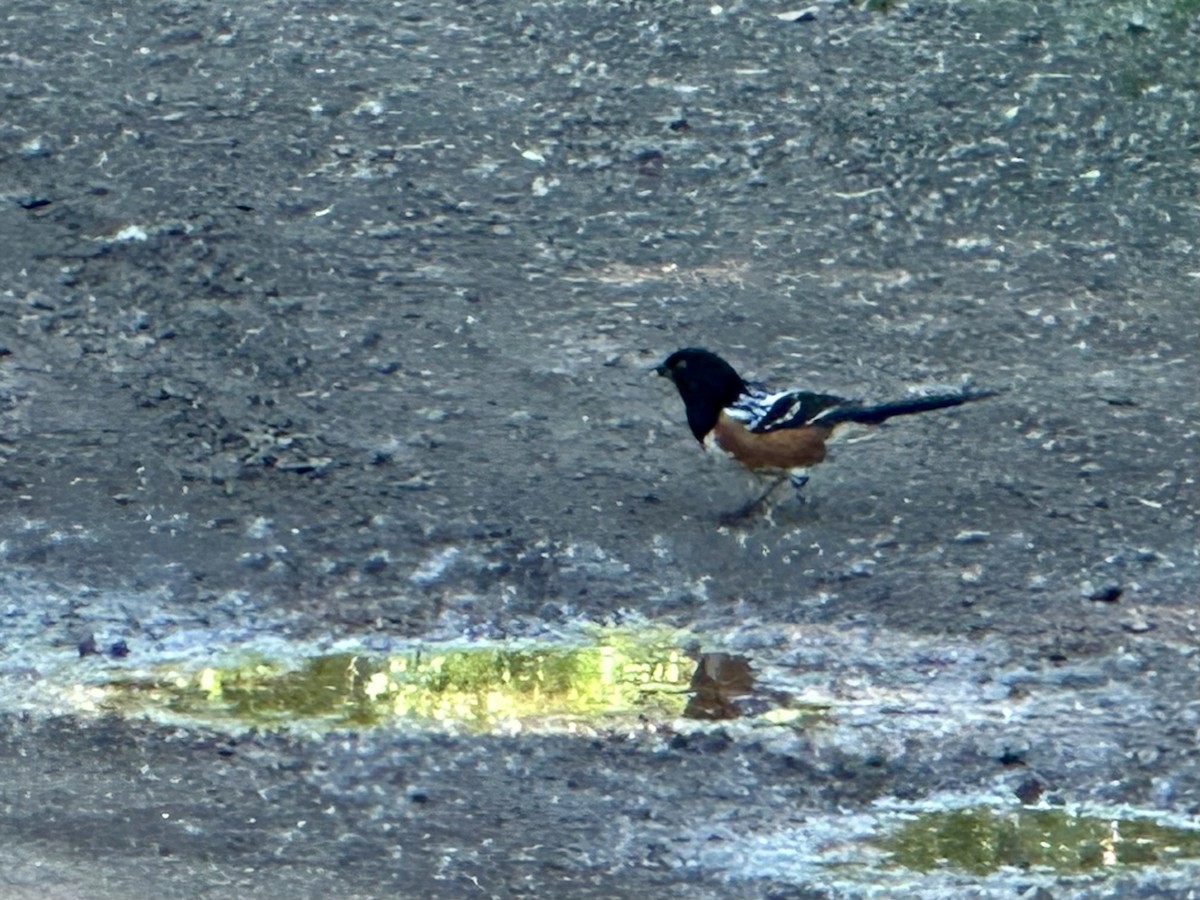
(796, 408)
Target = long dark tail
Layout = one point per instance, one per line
(874, 415)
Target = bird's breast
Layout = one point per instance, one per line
(784, 448)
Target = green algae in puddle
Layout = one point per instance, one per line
(486, 688)
(981, 840)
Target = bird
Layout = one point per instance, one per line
(776, 434)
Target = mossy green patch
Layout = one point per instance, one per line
(615, 676)
(981, 840)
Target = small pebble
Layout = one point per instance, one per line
(807, 14)
(1136, 623)
(972, 537)
(1106, 593)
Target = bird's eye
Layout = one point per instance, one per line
(680, 364)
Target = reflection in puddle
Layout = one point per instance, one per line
(620, 677)
(720, 683)
(982, 840)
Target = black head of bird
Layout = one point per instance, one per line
(706, 383)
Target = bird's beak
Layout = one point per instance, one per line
(663, 371)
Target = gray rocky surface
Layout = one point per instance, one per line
(321, 319)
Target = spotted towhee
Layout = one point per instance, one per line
(781, 433)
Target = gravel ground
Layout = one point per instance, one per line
(322, 321)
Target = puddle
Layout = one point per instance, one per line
(950, 841)
(617, 678)
(982, 841)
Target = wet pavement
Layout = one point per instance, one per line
(326, 334)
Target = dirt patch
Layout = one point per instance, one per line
(330, 325)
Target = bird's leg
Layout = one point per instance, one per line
(798, 479)
(743, 511)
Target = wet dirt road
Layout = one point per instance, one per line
(325, 324)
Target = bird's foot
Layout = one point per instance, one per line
(748, 509)
(739, 515)
(745, 511)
